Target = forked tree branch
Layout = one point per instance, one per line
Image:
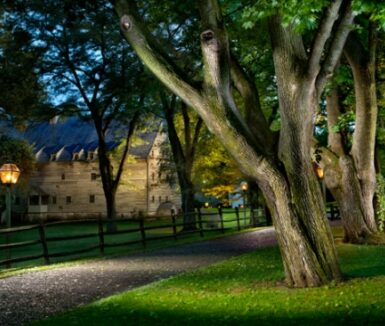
(335, 50)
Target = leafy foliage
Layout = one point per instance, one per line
(373, 8)
(21, 90)
(380, 195)
(303, 15)
(18, 152)
(345, 123)
(215, 172)
(345, 126)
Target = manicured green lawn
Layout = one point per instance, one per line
(248, 290)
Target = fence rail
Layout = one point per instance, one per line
(203, 221)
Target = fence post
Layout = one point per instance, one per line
(174, 224)
(101, 234)
(200, 222)
(44, 243)
(254, 219)
(7, 241)
(142, 232)
(221, 217)
(237, 216)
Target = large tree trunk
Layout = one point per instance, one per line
(297, 98)
(308, 254)
(303, 232)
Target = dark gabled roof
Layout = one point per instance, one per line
(73, 135)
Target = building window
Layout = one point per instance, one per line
(68, 200)
(90, 156)
(63, 176)
(76, 157)
(92, 199)
(166, 198)
(153, 176)
(160, 199)
(54, 200)
(34, 200)
(93, 176)
(153, 199)
(44, 200)
(53, 157)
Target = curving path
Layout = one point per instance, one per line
(36, 295)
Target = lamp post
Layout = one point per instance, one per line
(244, 187)
(9, 174)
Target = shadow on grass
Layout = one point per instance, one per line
(233, 311)
(362, 260)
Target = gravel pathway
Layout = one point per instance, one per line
(36, 295)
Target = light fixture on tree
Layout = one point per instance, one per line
(319, 171)
(244, 185)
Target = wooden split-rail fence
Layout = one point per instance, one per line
(144, 230)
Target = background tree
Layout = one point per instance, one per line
(88, 71)
(215, 173)
(183, 137)
(22, 96)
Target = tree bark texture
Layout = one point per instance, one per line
(355, 184)
(286, 178)
(363, 148)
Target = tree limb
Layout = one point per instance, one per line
(322, 35)
(254, 115)
(169, 109)
(216, 59)
(334, 53)
(373, 41)
(194, 143)
(335, 140)
(160, 65)
(127, 144)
